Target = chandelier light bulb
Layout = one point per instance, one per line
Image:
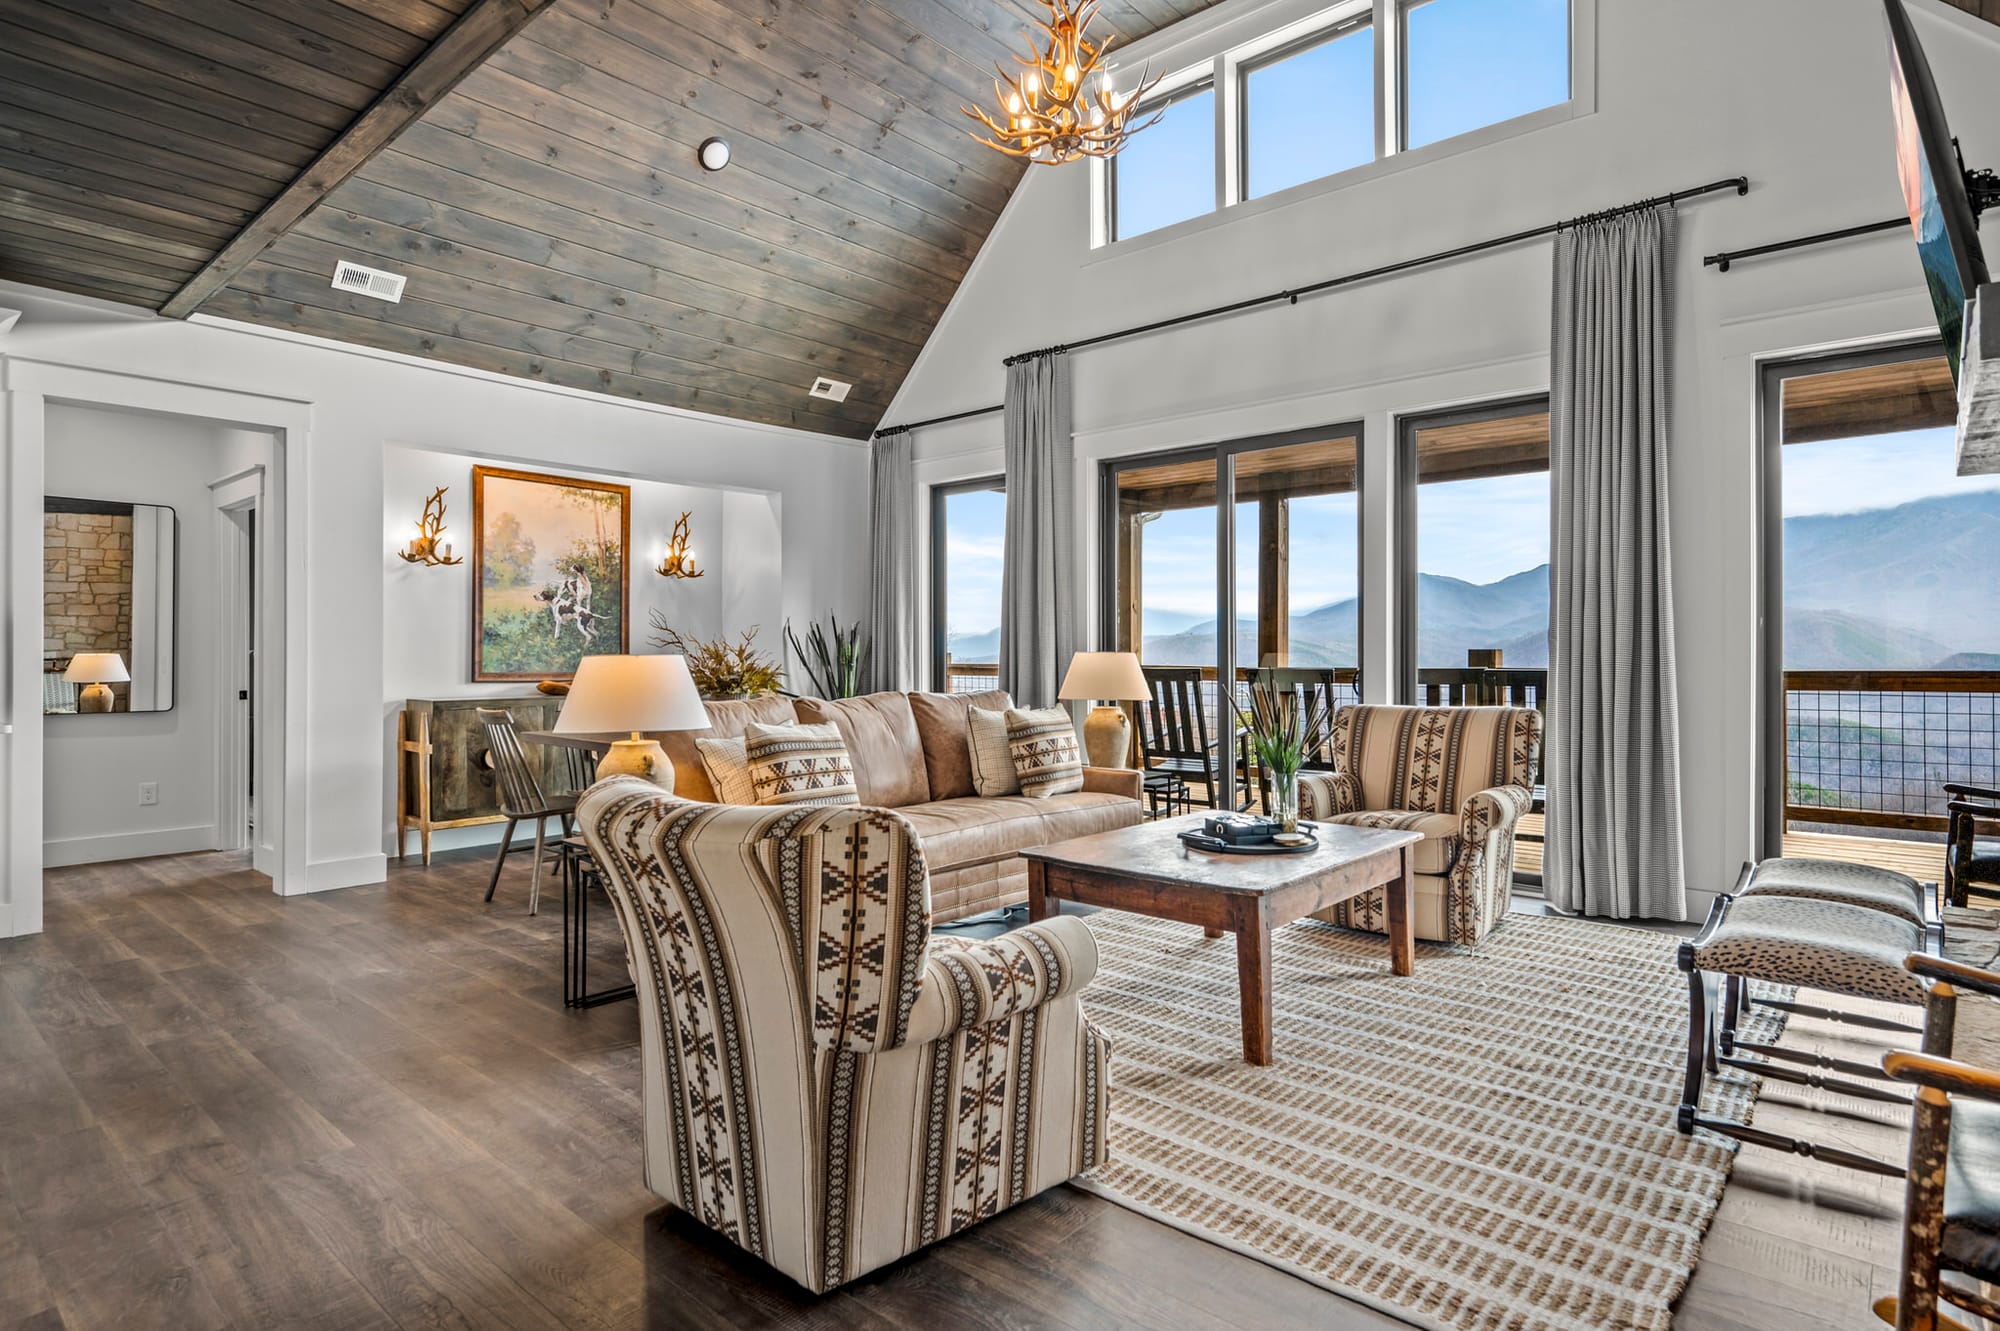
(1048, 113)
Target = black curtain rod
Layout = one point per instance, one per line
(1720, 262)
(1741, 184)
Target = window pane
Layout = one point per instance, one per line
(1887, 555)
(969, 568)
(1483, 541)
(1470, 63)
(1881, 533)
(1310, 113)
(1167, 173)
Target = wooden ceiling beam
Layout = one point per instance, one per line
(467, 44)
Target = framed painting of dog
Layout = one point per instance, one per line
(549, 585)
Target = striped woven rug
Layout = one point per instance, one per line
(1487, 1144)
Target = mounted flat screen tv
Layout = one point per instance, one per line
(1933, 184)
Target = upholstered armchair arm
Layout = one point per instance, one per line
(1112, 781)
(976, 982)
(1492, 810)
(1324, 794)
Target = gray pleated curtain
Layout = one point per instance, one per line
(1613, 761)
(892, 567)
(1038, 613)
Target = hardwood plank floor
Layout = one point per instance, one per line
(368, 1108)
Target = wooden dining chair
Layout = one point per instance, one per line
(521, 800)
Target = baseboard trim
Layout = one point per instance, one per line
(332, 875)
(127, 846)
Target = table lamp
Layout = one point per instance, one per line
(96, 670)
(1105, 677)
(632, 694)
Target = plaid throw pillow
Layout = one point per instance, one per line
(1043, 744)
(728, 767)
(992, 759)
(799, 765)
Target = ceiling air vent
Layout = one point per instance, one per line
(831, 389)
(368, 281)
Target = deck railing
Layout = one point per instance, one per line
(1873, 748)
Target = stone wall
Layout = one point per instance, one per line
(86, 584)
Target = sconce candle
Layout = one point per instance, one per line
(678, 562)
(427, 547)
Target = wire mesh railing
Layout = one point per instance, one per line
(1874, 747)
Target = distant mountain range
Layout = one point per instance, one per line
(1913, 587)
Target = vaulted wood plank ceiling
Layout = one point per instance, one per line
(548, 209)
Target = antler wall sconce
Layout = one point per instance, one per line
(678, 562)
(427, 547)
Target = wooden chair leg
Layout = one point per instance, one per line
(1923, 1212)
(500, 860)
(535, 876)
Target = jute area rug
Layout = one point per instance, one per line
(1487, 1144)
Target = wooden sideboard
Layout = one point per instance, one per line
(444, 770)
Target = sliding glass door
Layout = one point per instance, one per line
(1882, 622)
(1262, 534)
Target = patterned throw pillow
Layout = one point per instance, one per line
(799, 764)
(992, 759)
(1046, 758)
(728, 768)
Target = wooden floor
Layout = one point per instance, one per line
(368, 1109)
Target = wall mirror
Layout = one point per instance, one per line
(108, 606)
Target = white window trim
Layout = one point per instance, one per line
(1224, 66)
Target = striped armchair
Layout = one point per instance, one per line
(1462, 776)
(825, 1084)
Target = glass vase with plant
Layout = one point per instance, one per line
(721, 668)
(1283, 730)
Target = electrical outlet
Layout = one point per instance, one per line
(149, 793)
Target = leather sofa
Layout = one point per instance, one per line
(912, 752)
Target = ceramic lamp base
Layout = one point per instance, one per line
(1107, 737)
(639, 757)
(94, 698)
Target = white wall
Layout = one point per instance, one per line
(92, 765)
(738, 542)
(361, 402)
(1792, 93)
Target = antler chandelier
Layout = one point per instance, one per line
(1050, 113)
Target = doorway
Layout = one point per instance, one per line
(1881, 638)
(237, 501)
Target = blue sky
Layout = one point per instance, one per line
(1312, 113)
(1851, 475)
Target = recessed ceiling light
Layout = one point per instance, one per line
(714, 154)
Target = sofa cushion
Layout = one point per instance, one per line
(1434, 854)
(726, 720)
(958, 833)
(947, 741)
(881, 735)
(799, 765)
(1042, 743)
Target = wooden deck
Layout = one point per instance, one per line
(1922, 860)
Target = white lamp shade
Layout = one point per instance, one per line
(1106, 676)
(631, 693)
(96, 668)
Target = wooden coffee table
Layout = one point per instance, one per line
(1146, 869)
